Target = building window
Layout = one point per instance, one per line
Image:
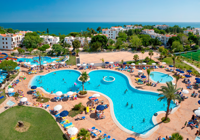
(3, 42)
(2, 38)
(6, 42)
(3, 46)
(6, 38)
(6, 46)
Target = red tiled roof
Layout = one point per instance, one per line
(4, 35)
(104, 29)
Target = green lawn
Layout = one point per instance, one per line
(3, 94)
(192, 55)
(43, 125)
(72, 60)
(180, 65)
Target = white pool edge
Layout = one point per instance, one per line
(154, 118)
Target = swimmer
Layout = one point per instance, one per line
(98, 86)
(54, 72)
(161, 79)
(63, 79)
(127, 104)
(89, 82)
(125, 91)
(51, 92)
(132, 127)
(143, 120)
(65, 82)
(47, 89)
(132, 106)
(163, 104)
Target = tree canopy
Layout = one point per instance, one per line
(76, 44)
(44, 47)
(177, 46)
(135, 41)
(32, 40)
(101, 39)
(122, 36)
(8, 65)
(57, 48)
(172, 39)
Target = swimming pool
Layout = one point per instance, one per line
(3, 75)
(35, 60)
(161, 77)
(144, 103)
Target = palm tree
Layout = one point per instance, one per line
(176, 136)
(102, 59)
(84, 134)
(77, 51)
(135, 57)
(167, 92)
(150, 54)
(161, 56)
(149, 73)
(40, 54)
(142, 53)
(177, 78)
(174, 57)
(84, 77)
(190, 41)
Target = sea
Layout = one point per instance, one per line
(67, 27)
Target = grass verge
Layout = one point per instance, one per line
(42, 124)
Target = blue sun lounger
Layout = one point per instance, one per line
(68, 124)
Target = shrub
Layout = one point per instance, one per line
(83, 92)
(77, 107)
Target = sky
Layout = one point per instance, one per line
(100, 11)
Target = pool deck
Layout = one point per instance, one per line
(107, 125)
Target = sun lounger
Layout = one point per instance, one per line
(91, 129)
(68, 125)
(96, 101)
(57, 115)
(1, 97)
(64, 122)
(47, 106)
(11, 94)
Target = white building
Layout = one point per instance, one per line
(163, 38)
(137, 27)
(112, 32)
(195, 31)
(148, 31)
(162, 27)
(70, 39)
(10, 41)
(128, 27)
(23, 32)
(50, 39)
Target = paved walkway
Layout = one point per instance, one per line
(192, 66)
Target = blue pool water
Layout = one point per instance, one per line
(2, 75)
(144, 103)
(161, 77)
(35, 60)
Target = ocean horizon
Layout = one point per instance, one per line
(67, 27)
